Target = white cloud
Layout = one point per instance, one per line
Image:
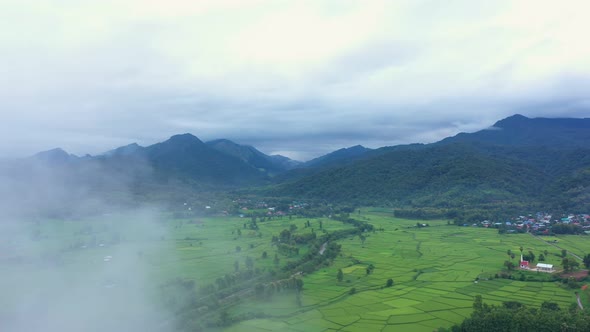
(354, 72)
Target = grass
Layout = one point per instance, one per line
(434, 268)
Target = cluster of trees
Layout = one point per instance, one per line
(515, 316)
(424, 213)
(560, 228)
(569, 264)
(360, 225)
(267, 290)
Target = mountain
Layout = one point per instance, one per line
(56, 155)
(56, 183)
(252, 156)
(518, 130)
(442, 176)
(518, 161)
(338, 157)
(285, 163)
(187, 158)
(126, 150)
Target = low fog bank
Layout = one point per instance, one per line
(77, 252)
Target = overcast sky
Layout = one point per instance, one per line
(299, 78)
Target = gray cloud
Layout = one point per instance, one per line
(301, 79)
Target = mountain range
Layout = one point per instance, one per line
(518, 160)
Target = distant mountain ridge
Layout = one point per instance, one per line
(516, 160)
(185, 158)
(519, 160)
(343, 155)
(249, 154)
(518, 130)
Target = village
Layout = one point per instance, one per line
(542, 224)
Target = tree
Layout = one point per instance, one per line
(249, 262)
(541, 258)
(509, 265)
(259, 290)
(224, 318)
(285, 235)
(569, 264)
(549, 306)
(340, 275)
(264, 255)
(531, 256)
(508, 252)
(389, 282)
(478, 304)
(298, 295)
(521, 249)
(563, 252)
(587, 261)
(298, 285)
(352, 291)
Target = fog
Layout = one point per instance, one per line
(73, 260)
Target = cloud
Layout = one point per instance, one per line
(91, 75)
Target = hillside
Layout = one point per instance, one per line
(187, 158)
(338, 157)
(520, 162)
(452, 175)
(252, 156)
(538, 162)
(520, 131)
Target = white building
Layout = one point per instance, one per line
(545, 267)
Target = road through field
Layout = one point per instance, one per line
(556, 246)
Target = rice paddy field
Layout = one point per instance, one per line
(436, 270)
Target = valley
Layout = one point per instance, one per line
(436, 272)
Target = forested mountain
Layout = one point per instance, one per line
(55, 182)
(338, 157)
(520, 131)
(518, 161)
(250, 155)
(542, 162)
(187, 158)
(444, 176)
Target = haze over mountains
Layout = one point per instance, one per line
(517, 160)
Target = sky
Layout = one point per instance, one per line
(297, 78)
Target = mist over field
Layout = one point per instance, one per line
(71, 259)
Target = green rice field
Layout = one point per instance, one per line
(434, 271)
(437, 270)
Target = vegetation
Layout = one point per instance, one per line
(204, 283)
(515, 316)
